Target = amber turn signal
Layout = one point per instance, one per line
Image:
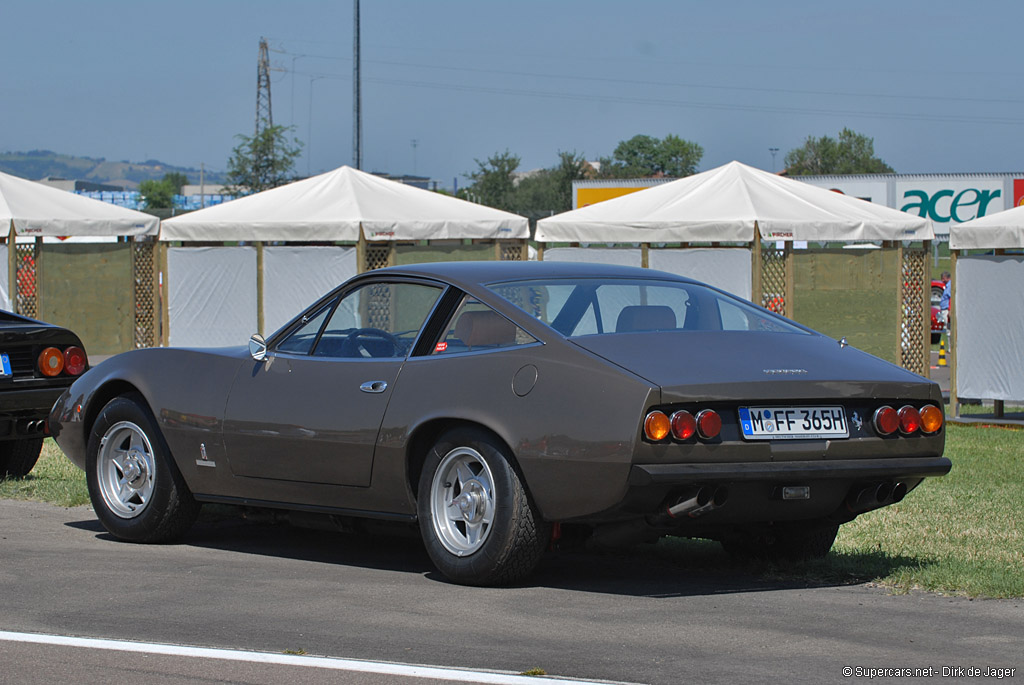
(51, 361)
(657, 426)
(931, 419)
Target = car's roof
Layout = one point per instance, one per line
(494, 272)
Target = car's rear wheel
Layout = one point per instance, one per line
(135, 487)
(788, 542)
(476, 518)
(17, 457)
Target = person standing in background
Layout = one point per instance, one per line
(947, 286)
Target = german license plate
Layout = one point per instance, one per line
(793, 423)
(5, 366)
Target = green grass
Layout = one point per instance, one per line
(959, 534)
(54, 479)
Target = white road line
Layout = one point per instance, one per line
(377, 667)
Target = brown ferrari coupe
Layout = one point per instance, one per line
(503, 404)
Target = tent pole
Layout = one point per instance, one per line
(756, 296)
(259, 286)
(165, 310)
(12, 268)
(361, 251)
(645, 255)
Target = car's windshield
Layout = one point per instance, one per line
(577, 307)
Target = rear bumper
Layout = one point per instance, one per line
(642, 475)
(23, 412)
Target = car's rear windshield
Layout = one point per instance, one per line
(578, 307)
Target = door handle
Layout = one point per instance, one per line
(374, 386)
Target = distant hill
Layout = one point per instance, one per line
(37, 164)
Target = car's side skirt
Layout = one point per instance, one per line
(340, 511)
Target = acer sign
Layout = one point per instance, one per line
(946, 201)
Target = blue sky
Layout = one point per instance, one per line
(935, 83)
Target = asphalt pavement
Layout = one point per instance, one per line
(624, 617)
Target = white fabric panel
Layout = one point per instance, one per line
(36, 209)
(334, 205)
(295, 277)
(988, 317)
(5, 297)
(595, 255)
(992, 231)
(211, 296)
(725, 268)
(723, 205)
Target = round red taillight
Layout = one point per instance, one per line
(886, 420)
(931, 419)
(910, 420)
(657, 426)
(51, 361)
(709, 424)
(684, 426)
(75, 361)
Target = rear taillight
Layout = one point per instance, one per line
(910, 420)
(886, 420)
(709, 424)
(684, 426)
(931, 419)
(75, 361)
(51, 361)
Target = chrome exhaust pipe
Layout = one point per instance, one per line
(705, 499)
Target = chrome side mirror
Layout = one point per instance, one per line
(258, 347)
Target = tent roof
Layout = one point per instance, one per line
(36, 209)
(333, 206)
(990, 232)
(724, 204)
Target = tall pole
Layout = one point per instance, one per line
(357, 104)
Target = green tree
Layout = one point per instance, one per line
(643, 156)
(265, 160)
(494, 181)
(852, 153)
(160, 194)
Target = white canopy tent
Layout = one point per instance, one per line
(335, 205)
(724, 205)
(32, 209)
(988, 312)
(220, 295)
(731, 211)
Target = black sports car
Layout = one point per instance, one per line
(37, 362)
(502, 404)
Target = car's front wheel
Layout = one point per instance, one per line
(476, 518)
(135, 487)
(17, 457)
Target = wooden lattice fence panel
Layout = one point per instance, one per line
(26, 257)
(147, 311)
(916, 324)
(773, 280)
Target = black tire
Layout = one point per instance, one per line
(145, 498)
(17, 457)
(466, 547)
(936, 337)
(790, 542)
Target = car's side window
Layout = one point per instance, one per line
(301, 340)
(477, 327)
(377, 320)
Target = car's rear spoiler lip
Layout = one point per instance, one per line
(671, 474)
